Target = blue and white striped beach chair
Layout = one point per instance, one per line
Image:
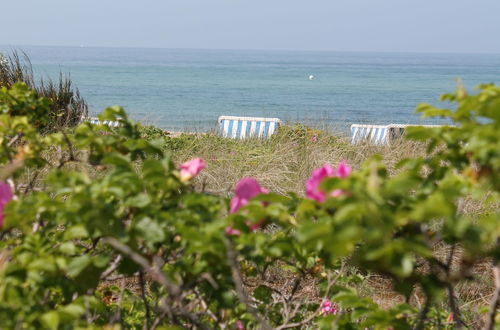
(96, 121)
(379, 134)
(376, 134)
(247, 127)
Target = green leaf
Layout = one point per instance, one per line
(78, 264)
(50, 320)
(71, 312)
(150, 231)
(140, 200)
(78, 231)
(68, 248)
(263, 293)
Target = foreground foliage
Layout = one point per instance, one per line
(139, 246)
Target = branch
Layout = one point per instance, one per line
(158, 276)
(318, 310)
(454, 308)
(457, 318)
(206, 308)
(495, 301)
(423, 314)
(117, 315)
(238, 283)
(114, 265)
(9, 169)
(14, 139)
(296, 284)
(155, 273)
(145, 299)
(31, 184)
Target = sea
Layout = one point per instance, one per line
(187, 89)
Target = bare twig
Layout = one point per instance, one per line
(142, 283)
(14, 139)
(296, 284)
(117, 316)
(114, 265)
(158, 320)
(31, 183)
(238, 283)
(9, 169)
(457, 319)
(318, 310)
(87, 309)
(174, 291)
(452, 301)
(422, 316)
(206, 308)
(449, 262)
(70, 146)
(155, 273)
(495, 301)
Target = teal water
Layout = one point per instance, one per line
(189, 89)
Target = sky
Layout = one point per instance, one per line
(437, 26)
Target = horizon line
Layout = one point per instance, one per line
(255, 49)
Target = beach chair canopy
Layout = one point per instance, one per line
(376, 134)
(96, 121)
(379, 134)
(246, 127)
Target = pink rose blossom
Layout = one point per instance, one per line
(232, 231)
(5, 197)
(343, 170)
(245, 189)
(240, 325)
(191, 168)
(255, 226)
(328, 308)
(313, 183)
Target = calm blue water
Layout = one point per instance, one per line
(189, 89)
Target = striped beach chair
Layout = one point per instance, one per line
(96, 121)
(379, 134)
(376, 134)
(247, 127)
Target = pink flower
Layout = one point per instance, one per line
(313, 183)
(232, 231)
(245, 189)
(240, 325)
(343, 170)
(5, 197)
(191, 168)
(314, 138)
(255, 226)
(328, 308)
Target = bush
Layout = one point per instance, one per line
(139, 246)
(67, 106)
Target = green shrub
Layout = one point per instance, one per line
(140, 246)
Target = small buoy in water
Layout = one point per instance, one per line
(311, 77)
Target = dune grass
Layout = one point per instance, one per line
(283, 162)
(67, 105)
